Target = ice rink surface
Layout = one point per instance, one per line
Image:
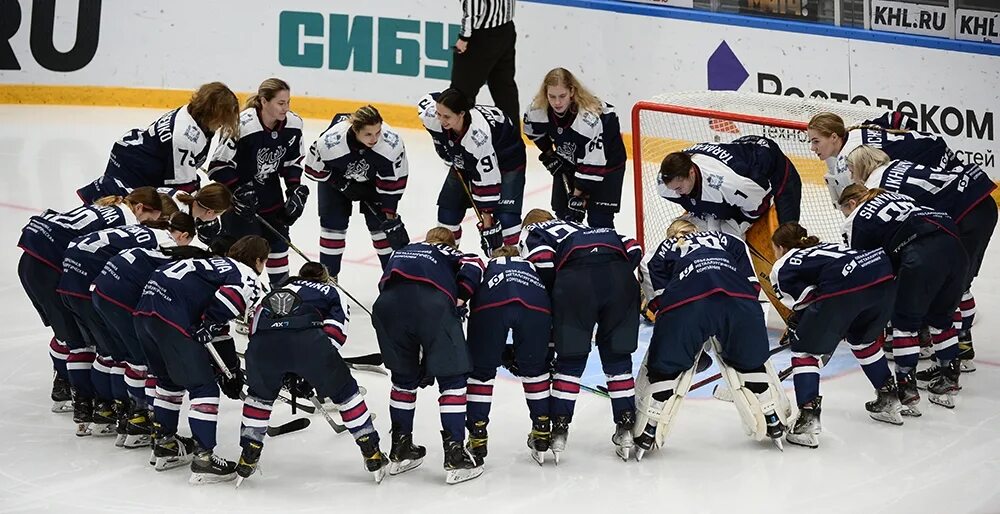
(945, 461)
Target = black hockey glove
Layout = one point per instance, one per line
(395, 233)
(462, 311)
(208, 231)
(232, 387)
(204, 333)
(791, 323)
(556, 164)
(576, 209)
(507, 360)
(355, 191)
(296, 203)
(490, 238)
(299, 386)
(245, 200)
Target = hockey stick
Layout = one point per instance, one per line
(713, 378)
(468, 194)
(337, 427)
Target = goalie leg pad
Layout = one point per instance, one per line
(756, 393)
(660, 402)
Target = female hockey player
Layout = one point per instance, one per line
(963, 193)
(732, 184)
(931, 267)
(266, 150)
(893, 133)
(418, 321)
(704, 292)
(486, 157)
(44, 241)
(299, 329)
(581, 144)
(169, 152)
(358, 158)
(184, 309)
(590, 276)
(82, 263)
(836, 293)
(513, 300)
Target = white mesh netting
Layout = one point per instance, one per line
(668, 123)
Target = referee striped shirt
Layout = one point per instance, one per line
(485, 14)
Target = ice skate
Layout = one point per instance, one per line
(121, 422)
(775, 429)
(966, 353)
(560, 432)
(886, 407)
(909, 396)
(404, 455)
(623, 441)
(104, 421)
(172, 451)
(807, 427)
(375, 461)
(248, 461)
(138, 430)
(645, 441)
(476, 444)
(540, 439)
(209, 468)
(62, 395)
(83, 414)
(459, 464)
(944, 387)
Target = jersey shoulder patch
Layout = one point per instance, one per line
(249, 123)
(293, 121)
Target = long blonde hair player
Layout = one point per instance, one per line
(581, 143)
(894, 133)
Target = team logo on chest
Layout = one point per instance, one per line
(268, 160)
(458, 161)
(567, 150)
(357, 171)
(714, 181)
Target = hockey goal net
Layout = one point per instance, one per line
(669, 123)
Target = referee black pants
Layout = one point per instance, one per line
(489, 60)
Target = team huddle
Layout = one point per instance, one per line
(140, 283)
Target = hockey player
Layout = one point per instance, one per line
(581, 144)
(731, 185)
(44, 241)
(837, 293)
(183, 310)
(704, 290)
(893, 133)
(931, 267)
(512, 298)
(299, 329)
(358, 158)
(590, 276)
(963, 193)
(431, 282)
(82, 263)
(266, 151)
(173, 148)
(486, 157)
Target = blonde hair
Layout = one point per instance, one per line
(147, 196)
(266, 90)
(582, 97)
(215, 107)
(364, 117)
(680, 228)
(536, 216)
(506, 251)
(863, 160)
(828, 123)
(441, 235)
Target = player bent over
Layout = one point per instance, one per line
(511, 299)
(418, 321)
(299, 328)
(836, 293)
(181, 320)
(590, 273)
(704, 289)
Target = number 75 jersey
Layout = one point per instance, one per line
(167, 153)
(807, 275)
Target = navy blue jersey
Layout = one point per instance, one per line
(684, 269)
(736, 181)
(807, 275)
(168, 153)
(261, 156)
(47, 236)
(918, 147)
(337, 156)
(186, 293)
(86, 256)
(954, 191)
(590, 141)
(319, 301)
(891, 221)
(490, 146)
(454, 273)
(549, 245)
(511, 280)
(125, 275)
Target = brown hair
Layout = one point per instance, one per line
(827, 124)
(441, 235)
(147, 196)
(675, 165)
(169, 207)
(364, 117)
(249, 250)
(792, 235)
(584, 99)
(506, 251)
(182, 222)
(266, 90)
(859, 194)
(215, 108)
(214, 197)
(863, 160)
(536, 216)
(313, 271)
